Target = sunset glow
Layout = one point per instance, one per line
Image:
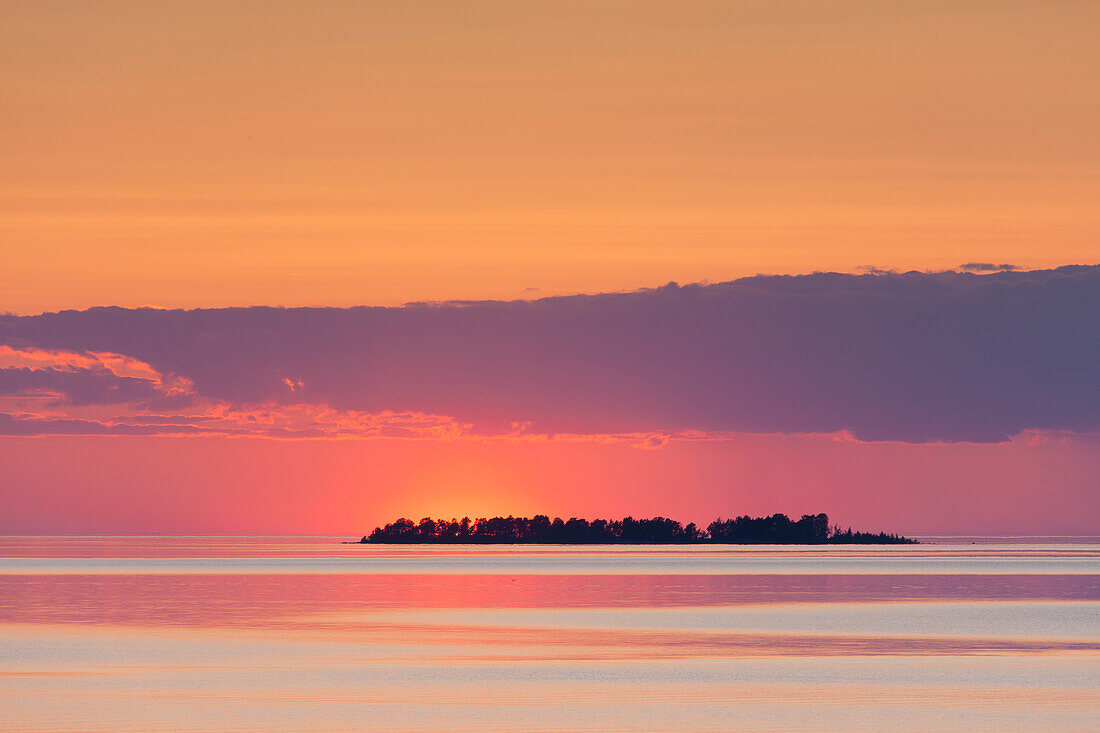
(202, 155)
(440, 366)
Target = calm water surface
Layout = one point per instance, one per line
(293, 633)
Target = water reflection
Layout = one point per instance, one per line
(638, 647)
(233, 600)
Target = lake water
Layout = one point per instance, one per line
(305, 633)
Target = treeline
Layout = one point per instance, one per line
(811, 529)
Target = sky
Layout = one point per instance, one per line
(303, 267)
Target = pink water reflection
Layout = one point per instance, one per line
(234, 600)
(570, 638)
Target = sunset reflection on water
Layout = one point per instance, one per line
(280, 649)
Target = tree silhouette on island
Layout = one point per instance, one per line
(778, 529)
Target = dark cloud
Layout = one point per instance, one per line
(951, 356)
(79, 387)
(987, 267)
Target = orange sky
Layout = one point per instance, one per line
(208, 153)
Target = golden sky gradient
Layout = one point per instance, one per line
(335, 153)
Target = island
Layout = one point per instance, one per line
(778, 529)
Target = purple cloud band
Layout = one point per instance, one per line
(952, 356)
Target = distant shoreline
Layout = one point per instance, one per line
(778, 529)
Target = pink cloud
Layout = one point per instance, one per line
(44, 392)
(56, 392)
(119, 365)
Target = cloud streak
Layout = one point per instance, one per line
(915, 357)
